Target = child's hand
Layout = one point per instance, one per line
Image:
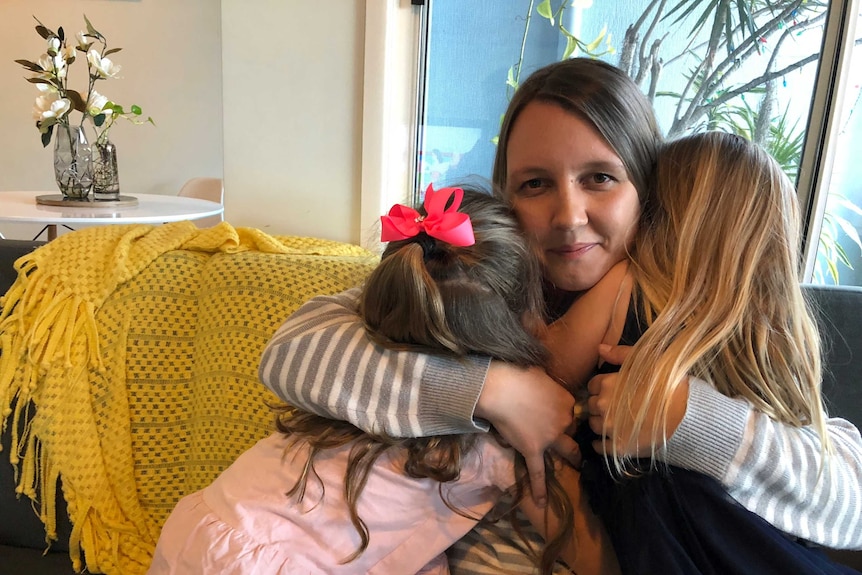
(601, 390)
(531, 412)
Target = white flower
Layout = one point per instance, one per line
(83, 40)
(104, 66)
(50, 106)
(50, 72)
(97, 103)
(52, 65)
(46, 62)
(60, 66)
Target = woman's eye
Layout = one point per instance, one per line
(601, 179)
(531, 186)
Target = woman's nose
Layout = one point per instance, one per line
(571, 209)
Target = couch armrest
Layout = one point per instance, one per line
(838, 310)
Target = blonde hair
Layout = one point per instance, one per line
(428, 295)
(717, 281)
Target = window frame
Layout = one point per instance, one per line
(393, 93)
(390, 110)
(818, 153)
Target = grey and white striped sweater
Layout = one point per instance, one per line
(321, 360)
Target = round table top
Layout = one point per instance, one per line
(150, 208)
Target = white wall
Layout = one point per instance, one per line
(172, 68)
(293, 115)
(268, 94)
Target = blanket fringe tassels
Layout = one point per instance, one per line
(48, 343)
(46, 333)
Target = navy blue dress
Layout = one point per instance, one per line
(671, 520)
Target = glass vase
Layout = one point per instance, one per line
(73, 162)
(106, 177)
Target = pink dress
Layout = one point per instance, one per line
(243, 523)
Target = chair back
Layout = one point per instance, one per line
(204, 188)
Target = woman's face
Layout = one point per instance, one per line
(571, 193)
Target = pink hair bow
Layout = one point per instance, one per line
(446, 224)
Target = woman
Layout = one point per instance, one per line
(575, 153)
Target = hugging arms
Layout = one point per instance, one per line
(757, 459)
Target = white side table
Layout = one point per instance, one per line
(21, 207)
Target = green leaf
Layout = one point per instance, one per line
(708, 10)
(78, 102)
(111, 51)
(44, 32)
(33, 66)
(136, 110)
(46, 136)
(571, 46)
(99, 120)
(544, 10)
(842, 256)
(746, 18)
(728, 36)
(833, 271)
(849, 231)
(92, 31)
(591, 47)
(510, 78)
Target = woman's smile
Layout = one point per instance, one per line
(572, 251)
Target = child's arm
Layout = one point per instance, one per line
(597, 316)
(322, 360)
(590, 551)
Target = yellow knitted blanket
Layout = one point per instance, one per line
(138, 346)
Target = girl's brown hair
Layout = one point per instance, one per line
(427, 295)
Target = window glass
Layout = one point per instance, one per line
(839, 252)
(743, 66)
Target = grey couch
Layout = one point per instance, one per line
(22, 536)
(22, 544)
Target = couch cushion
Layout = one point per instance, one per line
(25, 561)
(21, 526)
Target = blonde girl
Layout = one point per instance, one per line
(716, 296)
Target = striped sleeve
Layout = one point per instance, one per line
(322, 360)
(496, 548)
(775, 469)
